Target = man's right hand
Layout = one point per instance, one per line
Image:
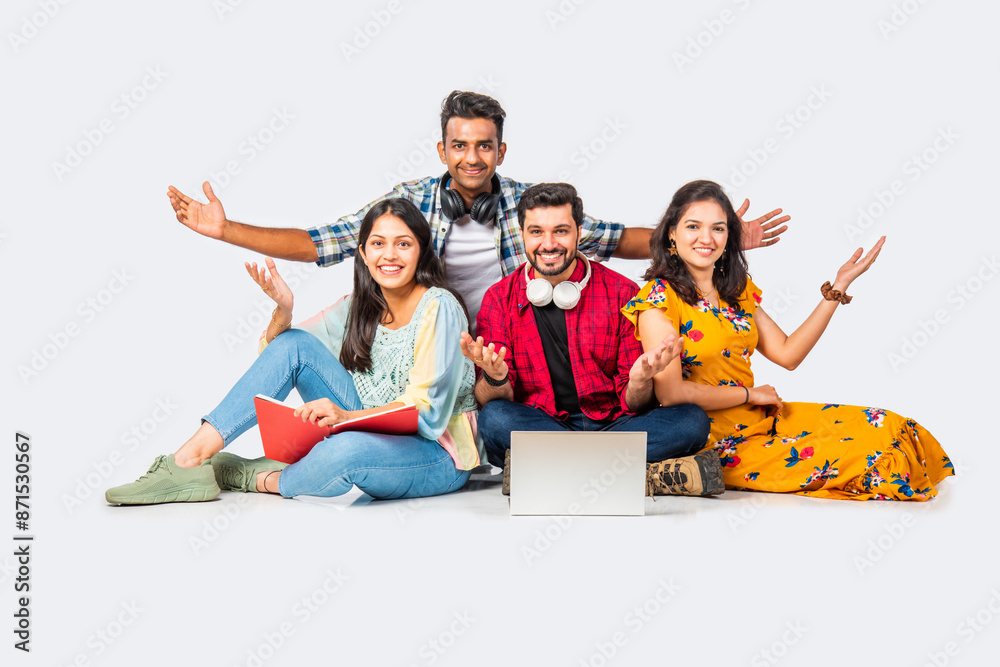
(206, 219)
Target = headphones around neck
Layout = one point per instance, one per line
(484, 208)
(565, 295)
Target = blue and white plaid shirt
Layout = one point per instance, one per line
(338, 241)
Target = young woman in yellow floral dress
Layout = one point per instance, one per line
(699, 289)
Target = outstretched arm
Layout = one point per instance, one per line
(788, 351)
(758, 233)
(633, 244)
(672, 389)
(210, 220)
(761, 232)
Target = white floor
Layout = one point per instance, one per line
(454, 580)
(121, 327)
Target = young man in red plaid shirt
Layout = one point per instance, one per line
(556, 354)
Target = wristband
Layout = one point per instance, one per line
(496, 383)
(748, 395)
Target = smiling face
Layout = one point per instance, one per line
(391, 253)
(701, 236)
(472, 151)
(550, 238)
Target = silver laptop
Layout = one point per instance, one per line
(577, 473)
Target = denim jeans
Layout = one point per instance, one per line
(383, 466)
(679, 430)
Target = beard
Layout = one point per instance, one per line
(555, 269)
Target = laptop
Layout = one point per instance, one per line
(577, 473)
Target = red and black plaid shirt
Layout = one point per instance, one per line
(602, 343)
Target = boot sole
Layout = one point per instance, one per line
(711, 473)
(184, 495)
(505, 490)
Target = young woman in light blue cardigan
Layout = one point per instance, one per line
(393, 341)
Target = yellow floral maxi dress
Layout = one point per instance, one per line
(827, 451)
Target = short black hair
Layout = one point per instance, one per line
(461, 104)
(544, 195)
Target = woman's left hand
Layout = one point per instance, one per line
(323, 412)
(857, 265)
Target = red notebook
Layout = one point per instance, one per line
(287, 438)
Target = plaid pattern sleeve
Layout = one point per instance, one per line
(602, 344)
(337, 241)
(601, 352)
(598, 238)
(492, 325)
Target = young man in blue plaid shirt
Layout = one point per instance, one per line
(471, 210)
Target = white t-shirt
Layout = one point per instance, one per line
(471, 262)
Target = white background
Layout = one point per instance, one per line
(454, 580)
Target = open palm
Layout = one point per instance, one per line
(206, 219)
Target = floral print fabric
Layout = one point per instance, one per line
(821, 450)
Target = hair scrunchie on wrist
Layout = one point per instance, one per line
(831, 294)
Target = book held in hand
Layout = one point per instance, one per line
(287, 438)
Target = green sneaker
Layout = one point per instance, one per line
(235, 473)
(167, 482)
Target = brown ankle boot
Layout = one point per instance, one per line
(698, 475)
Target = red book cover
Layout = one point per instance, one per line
(287, 438)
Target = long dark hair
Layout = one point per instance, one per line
(368, 305)
(730, 275)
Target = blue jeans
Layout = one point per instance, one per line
(680, 430)
(383, 466)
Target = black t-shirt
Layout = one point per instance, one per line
(551, 321)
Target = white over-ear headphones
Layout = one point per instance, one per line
(565, 295)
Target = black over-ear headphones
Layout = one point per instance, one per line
(484, 208)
